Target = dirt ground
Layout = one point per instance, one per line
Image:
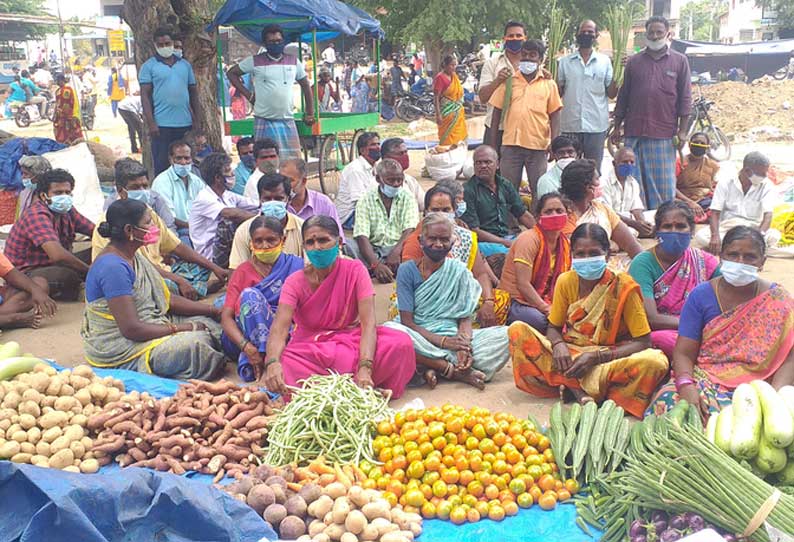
(763, 109)
(59, 338)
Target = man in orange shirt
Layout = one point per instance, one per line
(23, 301)
(531, 104)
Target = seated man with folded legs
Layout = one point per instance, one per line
(23, 301)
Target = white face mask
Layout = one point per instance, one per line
(738, 274)
(526, 67)
(756, 179)
(165, 52)
(656, 45)
(562, 162)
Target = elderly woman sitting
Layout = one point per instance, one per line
(437, 298)
(32, 168)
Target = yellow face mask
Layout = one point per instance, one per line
(267, 255)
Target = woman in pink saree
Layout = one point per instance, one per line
(332, 306)
(669, 271)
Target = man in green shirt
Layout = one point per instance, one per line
(385, 217)
(490, 200)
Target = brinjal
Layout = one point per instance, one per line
(637, 528)
(639, 538)
(658, 515)
(670, 535)
(678, 522)
(660, 526)
(695, 522)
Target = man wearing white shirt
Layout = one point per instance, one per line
(396, 149)
(329, 56)
(357, 178)
(131, 111)
(217, 211)
(267, 161)
(622, 193)
(746, 199)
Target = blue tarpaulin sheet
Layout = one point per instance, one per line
(138, 504)
(12, 151)
(296, 17)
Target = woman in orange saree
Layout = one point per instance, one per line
(448, 92)
(733, 329)
(598, 341)
(66, 121)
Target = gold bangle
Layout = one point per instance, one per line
(443, 340)
(365, 364)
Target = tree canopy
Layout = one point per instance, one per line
(28, 7)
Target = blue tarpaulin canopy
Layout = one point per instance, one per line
(296, 17)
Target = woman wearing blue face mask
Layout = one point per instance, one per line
(668, 272)
(733, 329)
(332, 304)
(32, 167)
(598, 341)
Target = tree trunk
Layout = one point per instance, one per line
(433, 50)
(189, 19)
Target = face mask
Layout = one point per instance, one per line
(61, 203)
(144, 196)
(274, 209)
(182, 170)
(585, 40)
(404, 160)
(323, 258)
(435, 254)
(230, 181)
(165, 52)
(269, 166)
(206, 150)
(460, 210)
(553, 222)
(249, 161)
(756, 179)
(656, 45)
(625, 170)
(526, 67)
(451, 217)
(738, 274)
(178, 53)
(674, 242)
(697, 149)
(275, 49)
(27, 183)
(389, 191)
(373, 154)
(514, 46)
(151, 236)
(562, 162)
(590, 268)
(267, 255)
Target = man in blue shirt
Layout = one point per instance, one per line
(585, 82)
(245, 150)
(34, 96)
(168, 97)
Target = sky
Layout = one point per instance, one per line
(85, 9)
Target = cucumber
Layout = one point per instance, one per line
(777, 420)
(769, 459)
(747, 415)
(723, 429)
(786, 476)
(711, 428)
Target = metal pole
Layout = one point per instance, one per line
(60, 34)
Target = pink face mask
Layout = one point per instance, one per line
(152, 235)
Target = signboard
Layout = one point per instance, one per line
(116, 41)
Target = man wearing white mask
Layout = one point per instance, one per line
(746, 199)
(531, 117)
(179, 186)
(168, 96)
(653, 107)
(564, 150)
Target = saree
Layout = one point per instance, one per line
(452, 129)
(448, 295)
(327, 334)
(591, 323)
(748, 343)
(698, 179)
(672, 289)
(257, 308)
(67, 116)
(543, 277)
(188, 354)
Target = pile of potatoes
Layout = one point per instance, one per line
(44, 415)
(311, 513)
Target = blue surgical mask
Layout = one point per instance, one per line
(27, 183)
(590, 268)
(323, 258)
(62, 203)
(182, 170)
(275, 49)
(248, 161)
(514, 46)
(389, 191)
(460, 210)
(178, 53)
(374, 154)
(144, 196)
(738, 274)
(626, 170)
(674, 242)
(275, 209)
(204, 151)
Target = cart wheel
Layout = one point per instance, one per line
(354, 144)
(331, 161)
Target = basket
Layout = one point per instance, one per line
(8, 206)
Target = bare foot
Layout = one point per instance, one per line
(30, 319)
(431, 379)
(472, 377)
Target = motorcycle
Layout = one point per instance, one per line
(87, 110)
(409, 106)
(25, 114)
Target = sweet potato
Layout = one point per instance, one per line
(128, 426)
(181, 421)
(216, 463)
(243, 417)
(110, 447)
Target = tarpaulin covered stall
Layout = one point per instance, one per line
(756, 59)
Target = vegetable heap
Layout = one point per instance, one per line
(213, 428)
(44, 414)
(450, 463)
(758, 427)
(659, 527)
(329, 416)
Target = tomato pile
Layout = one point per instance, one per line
(465, 465)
